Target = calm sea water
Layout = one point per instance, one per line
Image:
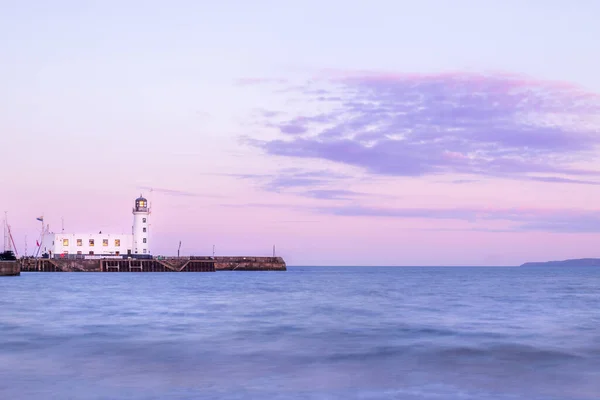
(308, 333)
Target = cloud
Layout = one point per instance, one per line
(292, 129)
(174, 192)
(550, 179)
(292, 177)
(203, 114)
(556, 179)
(463, 181)
(424, 125)
(518, 219)
(332, 194)
(295, 177)
(259, 81)
(524, 220)
(270, 113)
(316, 184)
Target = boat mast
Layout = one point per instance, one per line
(6, 239)
(12, 241)
(9, 241)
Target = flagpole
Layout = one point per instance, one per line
(41, 219)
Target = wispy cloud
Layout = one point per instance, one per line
(317, 184)
(517, 219)
(547, 220)
(260, 81)
(463, 181)
(175, 192)
(203, 114)
(548, 179)
(417, 125)
(556, 179)
(299, 178)
(333, 194)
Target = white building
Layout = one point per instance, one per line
(103, 244)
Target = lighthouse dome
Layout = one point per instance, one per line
(141, 204)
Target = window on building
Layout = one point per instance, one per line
(144, 251)
(79, 252)
(91, 253)
(91, 242)
(144, 230)
(117, 242)
(79, 242)
(144, 240)
(105, 242)
(65, 242)
(144, 220)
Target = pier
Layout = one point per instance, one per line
(159, 264)
(106, 252)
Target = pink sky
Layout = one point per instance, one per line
(394, 145)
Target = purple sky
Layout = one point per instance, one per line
(344, 133)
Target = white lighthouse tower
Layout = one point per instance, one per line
(141, 211)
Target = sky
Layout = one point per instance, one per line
(385, 132)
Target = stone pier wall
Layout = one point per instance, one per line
(226, 263)
(166, 264)
(10, 268)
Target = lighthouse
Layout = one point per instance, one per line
(141, 212)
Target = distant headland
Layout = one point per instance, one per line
(579, 262)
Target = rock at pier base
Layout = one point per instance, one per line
(10, 268)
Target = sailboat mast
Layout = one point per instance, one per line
(12, 241)
(6, 238)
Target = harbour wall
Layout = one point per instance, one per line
(250, 264)
(10, 268)
(162, 264)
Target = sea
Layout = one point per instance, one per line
(414, 333)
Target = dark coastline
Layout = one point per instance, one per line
(579, 262)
